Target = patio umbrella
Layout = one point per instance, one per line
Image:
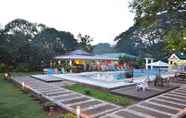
(159, 64)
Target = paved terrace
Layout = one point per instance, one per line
(167, 105)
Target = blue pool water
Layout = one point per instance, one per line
(108, 79)
(118, 76)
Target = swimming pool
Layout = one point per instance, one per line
(115, 76)
(108, 80)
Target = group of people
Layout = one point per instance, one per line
(102, 67)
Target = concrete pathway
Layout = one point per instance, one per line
(67, 99)
(167, 105)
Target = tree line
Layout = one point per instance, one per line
(26, 45)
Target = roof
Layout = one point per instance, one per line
(80, 54)
(117, 55)
(159, 64)
(95, 57)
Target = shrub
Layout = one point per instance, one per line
(87, 92)
(67, 115)
(48, 105)
(2, 68)
(22, 68)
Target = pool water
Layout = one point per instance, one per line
(108, 80)
(116, 76)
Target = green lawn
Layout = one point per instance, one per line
(106, 96)
(15, 104)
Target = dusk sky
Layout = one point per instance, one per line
(103, 20)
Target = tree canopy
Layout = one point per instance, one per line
(102, 48)
(149, 13)
(159, 28)
(85, 42)
(32, 44)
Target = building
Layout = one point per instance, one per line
(177, 59)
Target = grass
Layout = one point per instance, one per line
(102, 95)
(15, 104)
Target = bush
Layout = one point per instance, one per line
(2, 68)
(87, 92)
(67, 115)
(22, 68)
(140, 63)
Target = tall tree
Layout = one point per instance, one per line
(148, 13)
(85, 42)
(51, 43)
(101, 48)
(26, 43)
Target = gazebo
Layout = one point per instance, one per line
(80, 57)
(83, 55)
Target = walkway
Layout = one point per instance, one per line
(167, 105)
(67, 99)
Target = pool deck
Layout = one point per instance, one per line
(67, 99)
(152, 91)
(46, 78)
(166, 105)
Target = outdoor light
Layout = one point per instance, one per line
(6, 75)
(78, 111)
(184, 38)
(23, 85)
(59, 62)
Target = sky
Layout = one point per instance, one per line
(103, 20)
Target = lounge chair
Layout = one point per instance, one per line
(180, 76)
(142, 85)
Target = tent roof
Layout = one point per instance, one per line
(159, 64)
(96, 57)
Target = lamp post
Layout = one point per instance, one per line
(23, 85)
(78, 111)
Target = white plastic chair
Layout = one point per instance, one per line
(142, 85)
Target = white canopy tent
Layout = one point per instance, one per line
(159, 64)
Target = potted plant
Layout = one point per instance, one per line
(49, 107)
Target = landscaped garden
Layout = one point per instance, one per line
(106, 96)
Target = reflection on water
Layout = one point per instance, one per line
(121, 76)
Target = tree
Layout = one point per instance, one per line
(148, 13)
(50, 43)
(103, 48)
(85, 42)
(30, 44)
